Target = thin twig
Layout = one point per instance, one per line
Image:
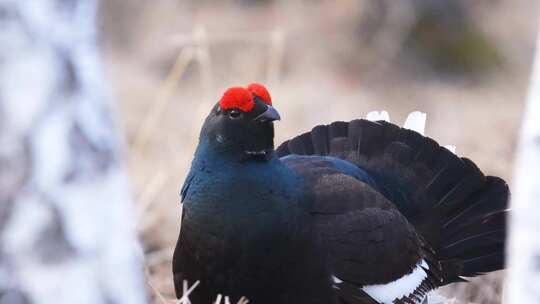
(243, 300)
(160, 296)
(148, 195)
(277, 43)
(186, 292)
(182, 40)
(162, 99)
(159, 256)
(203, 57)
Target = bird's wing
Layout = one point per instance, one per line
(372, 249)
(377, 251)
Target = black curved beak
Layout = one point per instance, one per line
(269, 115)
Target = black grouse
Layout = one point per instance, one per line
(351, 212)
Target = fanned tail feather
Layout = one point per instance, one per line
(458, 210)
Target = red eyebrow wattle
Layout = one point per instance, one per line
(237, 98)
(260, 91)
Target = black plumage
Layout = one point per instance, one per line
(334, 215)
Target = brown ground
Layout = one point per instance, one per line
(318, 71)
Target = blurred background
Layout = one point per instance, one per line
(465, 63)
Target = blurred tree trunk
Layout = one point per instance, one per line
(524, 248)
(66, 231)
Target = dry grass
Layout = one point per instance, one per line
(170, 60)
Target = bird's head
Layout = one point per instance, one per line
(241, 123)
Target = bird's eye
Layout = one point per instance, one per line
(235, 114)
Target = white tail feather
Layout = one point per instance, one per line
(378, 115)
(416, 121)
(402, 287)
